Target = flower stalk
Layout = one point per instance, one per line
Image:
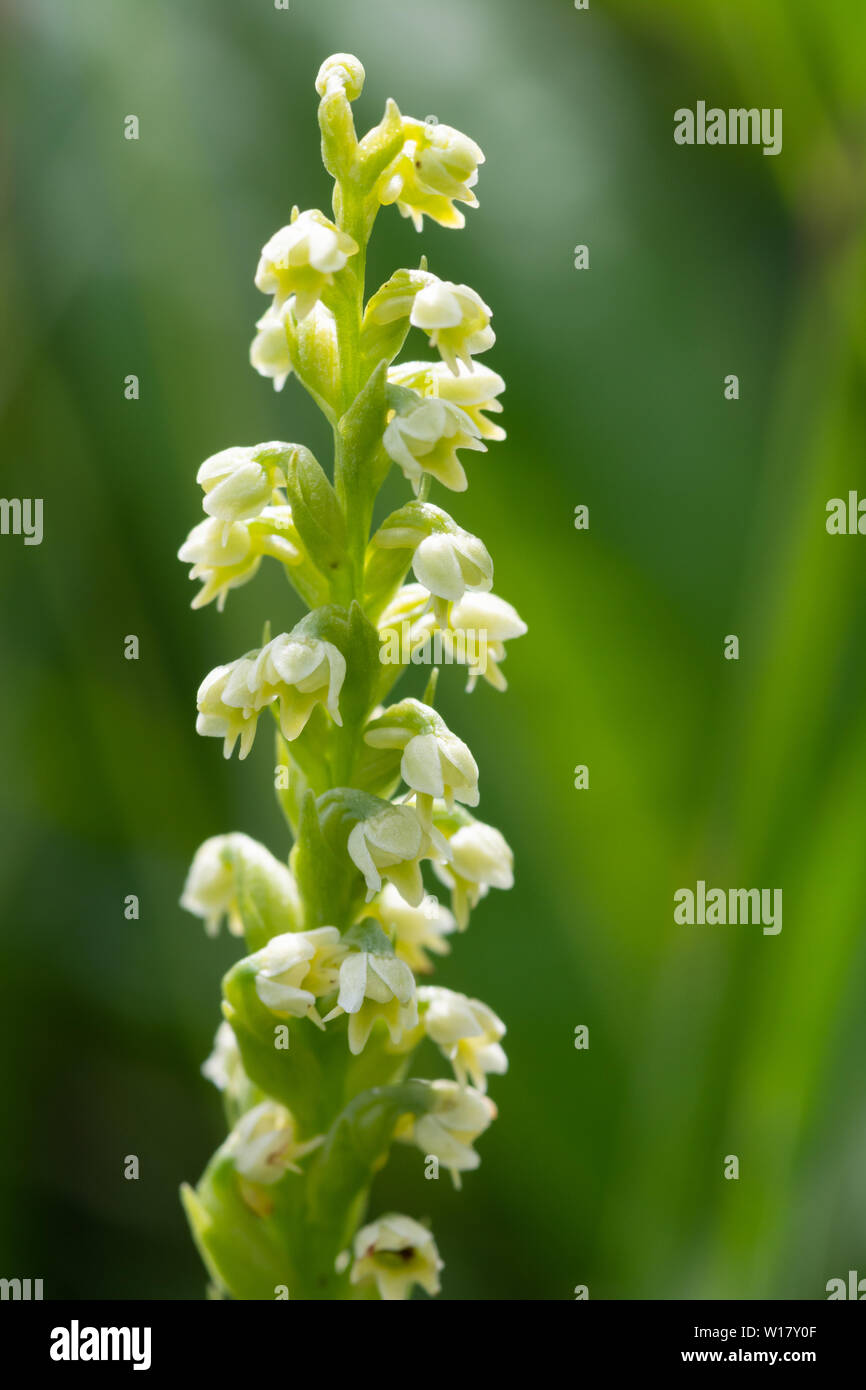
(325, 1027)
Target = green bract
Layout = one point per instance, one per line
(323, 1017)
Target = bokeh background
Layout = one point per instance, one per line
(707, 518)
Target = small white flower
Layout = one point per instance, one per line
(468, 1033)
(499, 622)
(224, 1067)
(239, 482)
(297, 670)
(375, 986)
(264, 1143)
(447, 560)
(480, 859)
(295, 969)
(426, 440)
(217, 719)
(301, 259)
(397, 1253)
(222, 556)
(456, 320)
(449, 563)
(447, 1132)
(226, 554)
(300, 672)
(435, 762)
(392, 843)
(416, 930)
(436, 166)
(269, 350)
(218, 869)
(474, 389)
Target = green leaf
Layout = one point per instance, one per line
(381, 145)
(369, 936)
(357, 1146)
(385, 325)
(330, 886)
(308, 1075)
(246, 1255)
(317, 516)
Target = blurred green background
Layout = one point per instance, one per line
(707, 518)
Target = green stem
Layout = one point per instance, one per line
(353, 218)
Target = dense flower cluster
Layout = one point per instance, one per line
(324, 1016)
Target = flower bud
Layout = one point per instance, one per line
(342, 72)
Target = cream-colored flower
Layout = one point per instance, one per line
(456, 319)
(224, 1067)
(296, 969)
(484, 613)
(240, 482)
(435, 762)
(225, 864)
(415, 930)
(301, 259)
(218, 719)
(468, 1033)
(391, 843)
(264, 1143)
(436, 167)
(449, 563)
(397, 1253)
(480, 859)
(374, 986)
(222, 556)
(426, 439)
(269, 350)
(474, 389)
(226, 554)
(447, 560)
(295, 669)
(447, 1131)
(299, 671)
